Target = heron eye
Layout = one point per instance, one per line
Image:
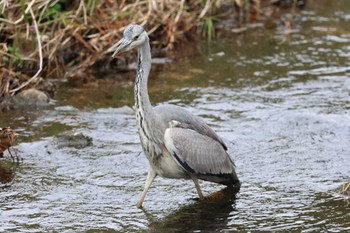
(136, 37)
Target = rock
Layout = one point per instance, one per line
(29, 98)
(72, 139)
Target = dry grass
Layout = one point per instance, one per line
(42, 38)
(7, 138)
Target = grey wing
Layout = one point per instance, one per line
(169, 113)
(199, 154)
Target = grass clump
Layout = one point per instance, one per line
(44, 38)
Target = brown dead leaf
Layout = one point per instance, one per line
(7, 137)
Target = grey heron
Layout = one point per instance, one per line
(177, 144)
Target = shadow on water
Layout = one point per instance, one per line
(208, 215)
(7, 173)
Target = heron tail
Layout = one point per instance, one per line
(230, 180)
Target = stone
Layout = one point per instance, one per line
(29, 98)
(73, 139)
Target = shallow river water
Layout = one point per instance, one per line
(281, 102)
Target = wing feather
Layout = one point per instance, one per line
(168, 113)
(198, 153)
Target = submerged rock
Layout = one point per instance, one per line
(29, 98)
(72, 139)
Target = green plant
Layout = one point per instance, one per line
(52, 12)
(15, 52)
(208, 27)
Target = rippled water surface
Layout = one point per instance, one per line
(280, 101)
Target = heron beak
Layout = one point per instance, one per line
(122, 47)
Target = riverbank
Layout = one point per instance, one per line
(44, 39)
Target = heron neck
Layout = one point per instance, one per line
(143, 68)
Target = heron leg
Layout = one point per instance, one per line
(150, 177)
(199, 191)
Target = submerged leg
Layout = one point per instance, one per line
(150, 177)
(199, 191)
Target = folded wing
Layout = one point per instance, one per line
(198, 153)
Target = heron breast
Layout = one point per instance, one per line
(168, 168)
(161, 161)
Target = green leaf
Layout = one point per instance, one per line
(23, 9)
(209, 28)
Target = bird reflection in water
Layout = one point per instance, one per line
(208, 215)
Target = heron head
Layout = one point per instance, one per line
(134, 36)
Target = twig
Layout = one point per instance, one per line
(5, 4)
(206, 8)
(40, 55)
(12, 157)
(81, 40)
(29, 7)
(345, 189)
(84, 12)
